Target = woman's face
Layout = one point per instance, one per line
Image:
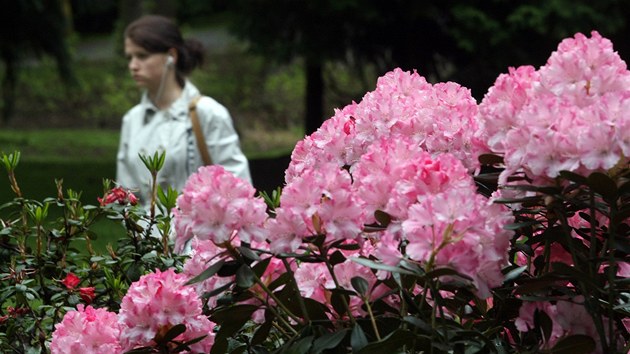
(145, 68)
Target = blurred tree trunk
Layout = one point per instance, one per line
(166, 8)
(314, 96)
(129, 11)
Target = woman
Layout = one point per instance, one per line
(159, 60)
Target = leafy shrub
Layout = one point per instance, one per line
(407, 223)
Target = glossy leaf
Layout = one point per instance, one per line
(575, 344)
(358, 340)
(360, 285)
(210, 271)
(328, 341)
(603, 185)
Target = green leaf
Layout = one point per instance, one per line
(514, 273)
(536, 284)
(300, 346)
(248, 253)
(210, 271)
(603, 185)
(393, 343)
(174, 332)
(520, 225)
(336, 258)
(490, 159)
(360, 285)
(380, 266)
(245, 277)
(260, 267)
(543, 321)
(262, 332)
(328, 341)
(382, 218)
(574, 177)
(230, 320)
(575, 344)
(441, 272)
(358, 340)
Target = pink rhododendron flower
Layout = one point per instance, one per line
(568, 115)
(315, 281)
(395, 172)
(87, 331)
(204, 253)
(320, 201)
(157, 302)
(216, 205)
(331, 143)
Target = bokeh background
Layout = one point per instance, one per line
(280, 66)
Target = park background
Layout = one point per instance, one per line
(280, 66)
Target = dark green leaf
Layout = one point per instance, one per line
(380, 266)
(603, 185)
(441, 272)
(245, 277)
(173, 332)
(490, 159)
(360, 285)
(328, 341)
(230, 320)
(358, 340)
(418, 322)
(300, 346)
(210, 271)
(336, 258)
(260, 267)
(535, 285)
(262, 332)
(382, 218)
(217, 291)
(544, 323)
(574, 177)
(229, 268)
(248, 253)
(520, 225)
(575, 344)
(393, 343)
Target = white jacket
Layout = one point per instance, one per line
(145, 130)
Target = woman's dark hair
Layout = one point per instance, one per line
(158, 34)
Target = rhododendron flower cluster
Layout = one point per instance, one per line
(320, 201)
(157, 302)
(118, 195)
(439, 118)
(215, 205)
(436, 210)
(568, 115)
(87, 331)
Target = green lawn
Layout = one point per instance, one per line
(83, 158)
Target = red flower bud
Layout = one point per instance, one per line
(71, 281)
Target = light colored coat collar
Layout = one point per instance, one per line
(178, 110)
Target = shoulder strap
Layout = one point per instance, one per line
(201, 141)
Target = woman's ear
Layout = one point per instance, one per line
(172, 57)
